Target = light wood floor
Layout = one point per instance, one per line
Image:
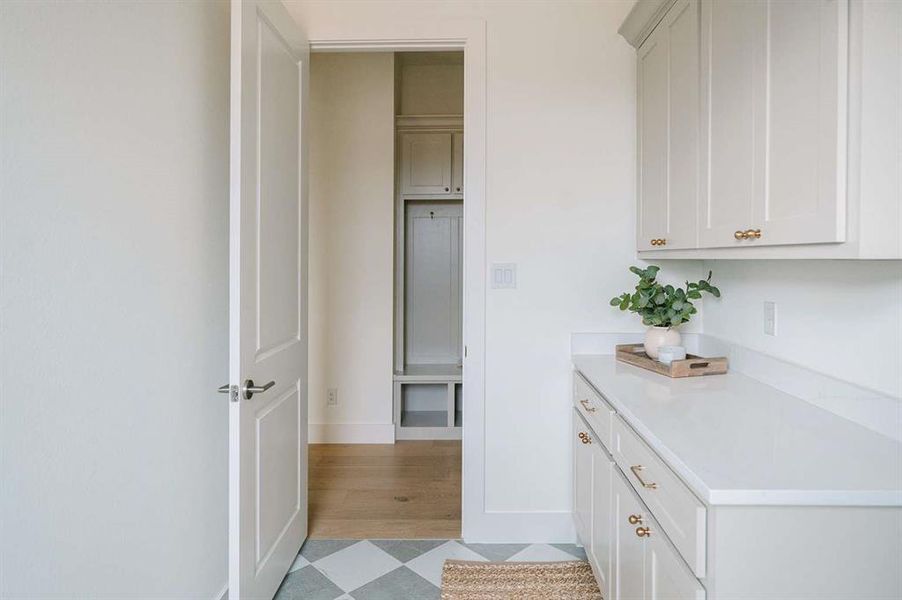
(406, 490)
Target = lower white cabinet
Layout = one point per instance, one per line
(602, 541)
(627, 549)
(649, 536)
(582, 480)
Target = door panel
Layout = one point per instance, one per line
(426, 163)
(805, 200)
(733, 51)
(629, 548)
(774, 150)
(668, 131)
(432, 283)
(652, 139)
(667, 577)
(582, 481)
(268, 430)
(602, 517)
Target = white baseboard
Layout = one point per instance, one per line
(552, 527)
(351, 433)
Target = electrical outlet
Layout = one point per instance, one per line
(770, 318)
(332, 397)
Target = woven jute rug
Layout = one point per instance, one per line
(468, 580)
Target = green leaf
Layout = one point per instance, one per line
(694, 295)
(678, 305)
(637, 271)
(714, 291)
(624, 304)
(660, 298)
(652, 271)
(615, 301)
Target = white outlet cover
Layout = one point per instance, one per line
(332, 397)
(504, 276)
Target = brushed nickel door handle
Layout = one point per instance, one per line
(249, 389)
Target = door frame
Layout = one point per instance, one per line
(468, 35)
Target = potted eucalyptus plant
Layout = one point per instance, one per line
(663, 308)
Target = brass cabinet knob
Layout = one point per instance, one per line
(643, 531)
(658, 242)
(753, 233)
(585, 438)
(635, 519)
(740, 235)
(654, 242)
(582, 435)
(586, 405)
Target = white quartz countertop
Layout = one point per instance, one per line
(736, 441)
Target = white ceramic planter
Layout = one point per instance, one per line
(655, 337)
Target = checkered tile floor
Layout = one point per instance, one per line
(396, 569)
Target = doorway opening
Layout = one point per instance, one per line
(386, 313)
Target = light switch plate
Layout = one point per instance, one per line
(770, 318)
(332, 397)
(504, 276)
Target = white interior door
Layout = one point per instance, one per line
(268, 288)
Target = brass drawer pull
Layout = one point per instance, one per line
(588, 408)
(748, 234)
(585, 437)
(643, 531)
(635, 520)
(649, 486)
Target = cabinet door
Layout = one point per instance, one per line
(602, 517)
(804, 197)
(668, 131)
(774, 134)
(629, 549)
(457, 163)
(666, 575)
(582, 480)
(425, 163)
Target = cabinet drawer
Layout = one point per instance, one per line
(681, 515)
(594, 409)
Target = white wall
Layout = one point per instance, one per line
(431, 83)
(351, 245)
(114, 332)
(560, 203)
(841, 318)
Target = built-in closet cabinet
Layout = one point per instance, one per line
(759, 128)
(426, 163)
(668, 131)
(432, 164)
(774, 132)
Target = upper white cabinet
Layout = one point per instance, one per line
(773, 101)
(431, 164)
(668, 131)
(426, 163)
(768, 128)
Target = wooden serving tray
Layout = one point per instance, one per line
(691, 366)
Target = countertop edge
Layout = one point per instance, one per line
(761, 497)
